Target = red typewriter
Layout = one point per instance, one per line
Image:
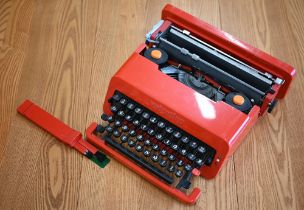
(181, 104)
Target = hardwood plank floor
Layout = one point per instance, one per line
(62, 54)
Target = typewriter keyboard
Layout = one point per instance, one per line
(153, 143)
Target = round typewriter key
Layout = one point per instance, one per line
(145, 115)
(167, 142)
(116, 97)
(140, 137)
(110, 119)
(169, 129)
(171, 168)
(138, 110)
(131, 143)
(185, 139)
(104, 117)
(191, 156)
(121, 113)
(201, 149)
(123, 101)
(177, 134)
(125, 128)
(180, 163)
(151, 132)
(163, 152)
(155, 147)
(174, 147)
(238, 100)
(100, 129)
(128, 117)
(144, 127)
(159, 136)
(114, 109)
(154, 158)
(156, 54)
(171, 157)
(117, 123)
(147, 142)
(139, 148)
(132, 133)
(147, 153)
(183, 152)
(124, 139)
(178, 173)
(163, 163)
(109, 129)
(161, 124)
(153, 119)
(193, 144)
(116, 133)
(131, 106)
(199, 161)
(188, 167)
(136, 122)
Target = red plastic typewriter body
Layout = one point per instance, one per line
(182, 103)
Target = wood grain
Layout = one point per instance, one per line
(62, 54)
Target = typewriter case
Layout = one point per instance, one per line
(217, 124)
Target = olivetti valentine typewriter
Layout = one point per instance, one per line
(183, 102)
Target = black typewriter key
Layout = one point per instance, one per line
(185, 139)
(171, 157)
(131, 143)
(128, 117)
(169, 129)
(145, 115)
(125, 128)
(132, 133)
(151, 132)
(191, 156)
(136, 122)
(188, 167)
(171, 168)
(155, 157)
(116, 133)
(178, 173)
(199, 161)
(114, 109)
(153, 119)
(159, 136)
(116, 97)
(147, 153)
(139, 148)
(183, 152)
(163, 163)
(140, 137)
(100, 129)
(144, 127)
(109, 129)
(147, 142)
(155, 147)
(138, 110)
(161, 124)
(180, 163)
(104, 117)
(177, 134)
(123, 101)
(121, 113)
(110, 119)
(130, 106)
(167, 142)
(174, 147)
(117, 123)
(163, 152)
(201, 149)
(193, 144)
(123, 139)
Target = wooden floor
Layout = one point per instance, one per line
(61, 54)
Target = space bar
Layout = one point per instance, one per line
(138, 160)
